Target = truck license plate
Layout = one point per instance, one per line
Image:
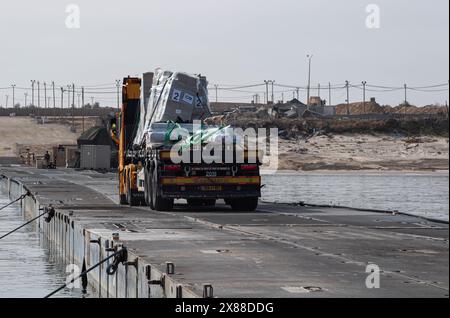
(211, 188)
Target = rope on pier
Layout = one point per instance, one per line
(16, 200)
(16, 229)
(120, 256)
(49, 210)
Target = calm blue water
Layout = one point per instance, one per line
(418, 194)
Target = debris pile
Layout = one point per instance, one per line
(414, 110)
(360, 108)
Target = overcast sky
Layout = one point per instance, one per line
(233, 42)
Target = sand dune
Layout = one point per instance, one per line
(19, 133)
(365, 152)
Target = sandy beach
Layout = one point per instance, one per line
(374, 152)
(19, 133)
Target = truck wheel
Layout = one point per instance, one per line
(147, 188)
(127, 193)
(149, 183)
(159, 204)
(132, 200)
(244, 205)
(123, 199)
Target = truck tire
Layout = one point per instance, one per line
(132, 200)
(159, 203)
(127, 193)
(147, 187)
(244, 205)
(123, 199)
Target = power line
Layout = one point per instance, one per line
(113, 86)
(102, 92)
(432, 86)
(239, 91)
(385, 87)
(238, 86)
(428, 90)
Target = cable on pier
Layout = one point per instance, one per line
(48, 210)
(16, 200)
(119, 257)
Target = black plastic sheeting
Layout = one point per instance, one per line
(95, 136)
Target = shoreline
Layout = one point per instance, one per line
(377, 153)
(359, 172)
(14, 161)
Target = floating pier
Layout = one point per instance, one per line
(278, 251)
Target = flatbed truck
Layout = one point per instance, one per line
(149, 177)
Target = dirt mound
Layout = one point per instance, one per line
(21, 133)
(359, 109)
(375, 108)
(414, 110)
(292, 128)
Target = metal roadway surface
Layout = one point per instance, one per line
(278, 251)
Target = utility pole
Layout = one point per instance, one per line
(82, 107)
(216, 87)
(364, 96)
(32, 92)
(318, 90)
(406, 94)
(329, 93)
(309, 56)
(14, 95)
(273, 96)
(45, 95)
(267, 91)
(68, 97)
(118, 94)
(347, 86)
(73, 107)
(26, 95)
(7, 97)
(54, 96)
(92, 101)
(406, 98)
(298, 93)
(62, 102)
(39, 95)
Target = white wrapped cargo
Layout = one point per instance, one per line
(174, 97)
